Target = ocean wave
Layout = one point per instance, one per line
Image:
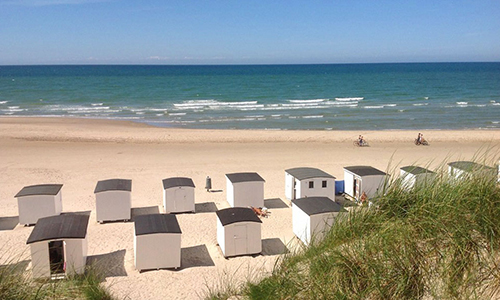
(312, 117)
(462, 103)
(420, 104)
(373, 106)
(189, 104)
(4, 102)
(308, 101)
(350, 99)
(177, 114)
(97, 104)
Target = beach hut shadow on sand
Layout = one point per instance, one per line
(273, 246)
(8, 223)
(139, 211)
(205, 207)
(275, 203)
(196, 256)
(109, 264)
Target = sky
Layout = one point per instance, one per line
(247, 32)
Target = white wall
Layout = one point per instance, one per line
(75, 255)
(156, 251)
(318, 190)
(113, 205)
(371, 185)
(407, 179)
(40, 262)
(226, 236)
(320, 224)
(348, 183)
(457, 173)
(31, 208)
(178, 199)
(289, 179)
(301, 224)
(244, 194)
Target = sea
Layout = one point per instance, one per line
(409, 96)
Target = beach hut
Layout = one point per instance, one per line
(312, 217)
(178, 194)
(238, 231)
(58, 245)
(363, 179)
(113, 200)
(461, 169)
(412, 176)
(157, 242)
(245, 189)
(38, 201)
(308, 182)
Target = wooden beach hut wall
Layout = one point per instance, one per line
(245, 189)
(38, 201)
(58, 245)
(178, 195)
(413, 176)
(113, 200)
(157, 242)
(312, 217)
(308, 182)
(463, 169)
(363, 179)
(238, 231)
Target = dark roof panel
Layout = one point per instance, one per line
(416, 170)
(40, 189)
(156, 223)
(364, 170)
(244, 177)
(177, 182)
(469, 166)
(306, 173)
(113, 185)
(237, 214)
(65, 226)
(317, 205)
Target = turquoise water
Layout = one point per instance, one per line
(324, 97)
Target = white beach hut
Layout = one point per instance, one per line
(312, 217)
(38, 201)
(58, 245)
(245, 189)
(461, 169)
(113, 199)
(157, 242)
(412, 176)
(363, 179)
(178, 194)
(238, 231)
(308, 182)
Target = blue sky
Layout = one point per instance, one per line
(247, 32)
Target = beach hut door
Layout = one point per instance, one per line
(357, 187)
(56, 257)
(240, 239)
(179, 198)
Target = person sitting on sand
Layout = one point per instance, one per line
(361, 140)
(419, 139)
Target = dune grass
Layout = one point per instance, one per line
(440, 240)
(16, 283)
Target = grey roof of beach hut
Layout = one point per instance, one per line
(317, 205)
(156, 223)
(237, 214)
(40, 189)
(244, 177)
(113, 185)
(364, 170)
(65, 226)
(416, 170)
(177, 182)
(469, 166)
(306, 173)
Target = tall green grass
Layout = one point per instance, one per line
(16, 283)
(440, 240)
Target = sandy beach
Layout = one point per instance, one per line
(79, 152)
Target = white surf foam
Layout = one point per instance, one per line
(350, 99)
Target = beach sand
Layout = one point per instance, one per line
(79, 152)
